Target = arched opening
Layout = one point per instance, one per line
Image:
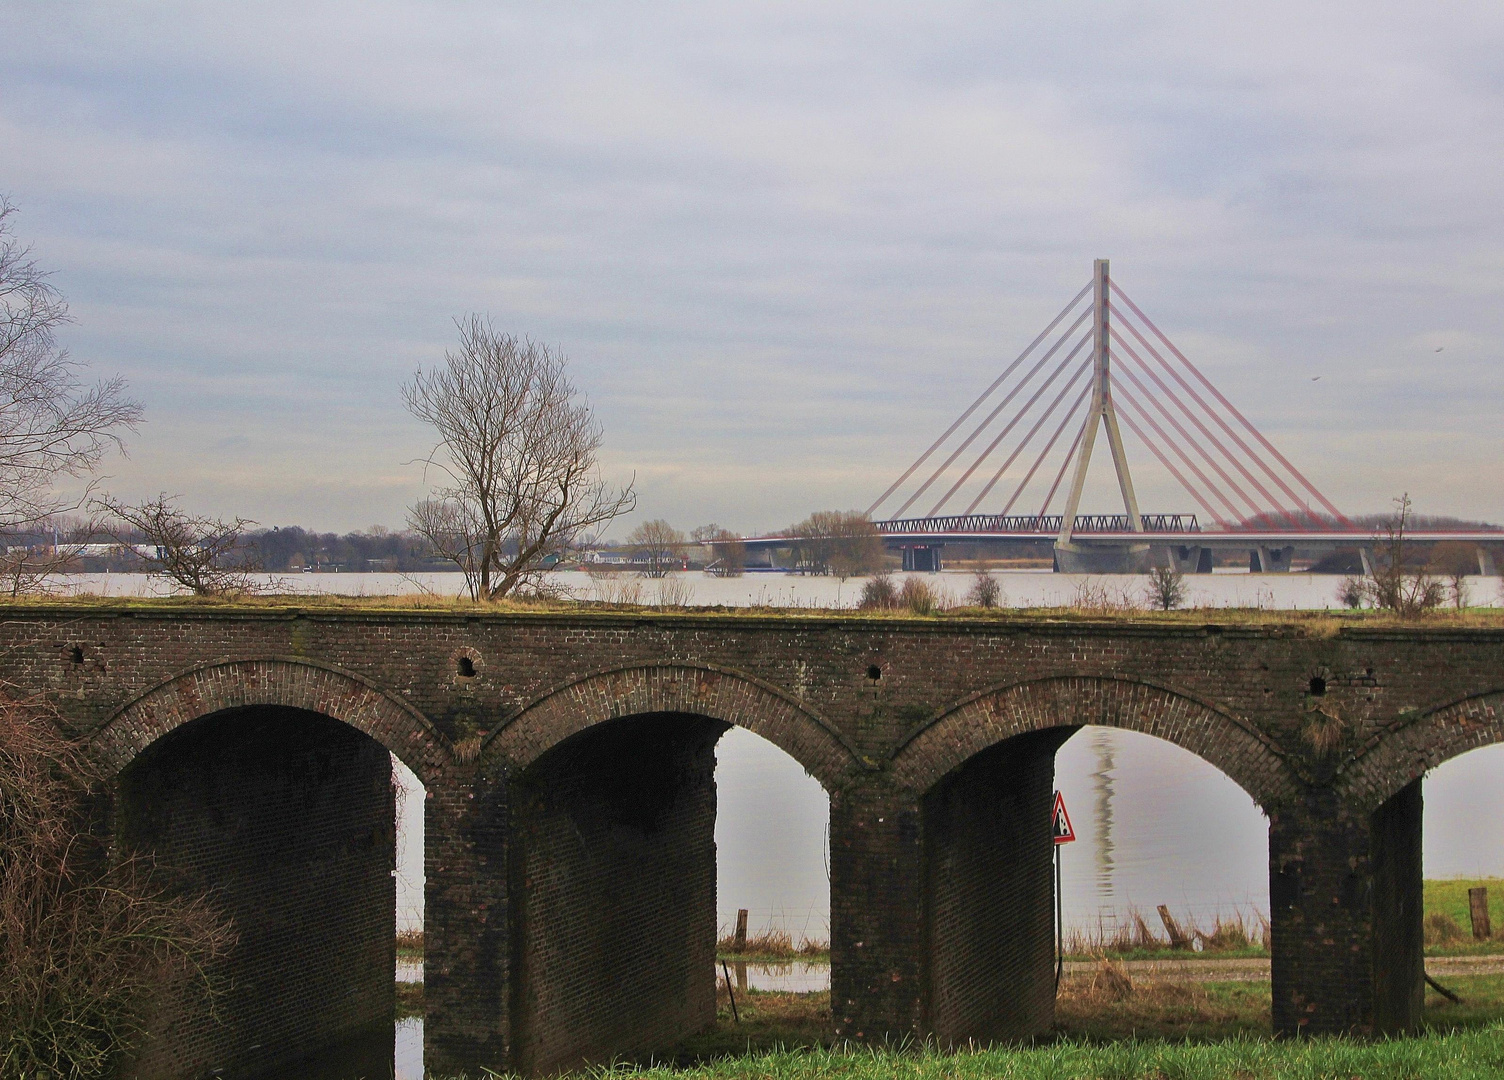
(985, 773)
(1158, 827)
(286, 817)
(1462, 906)
(613, 881)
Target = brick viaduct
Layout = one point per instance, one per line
(568, 761)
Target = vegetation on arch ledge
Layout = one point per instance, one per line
(1312, 622)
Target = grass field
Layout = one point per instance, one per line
(1471, 1055)
(1448, 897)
(1090, 1009)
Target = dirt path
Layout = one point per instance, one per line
(1254, 969)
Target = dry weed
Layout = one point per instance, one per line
(90, 946)
(1442, 929)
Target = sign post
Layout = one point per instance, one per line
(1061, 833)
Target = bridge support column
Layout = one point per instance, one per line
(989, 895)
(1270, 560)
(1345, 899)
(612, 886)
(466, 924)
(876, 934)
(942, 905)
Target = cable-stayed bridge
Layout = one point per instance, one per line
(1013, 465)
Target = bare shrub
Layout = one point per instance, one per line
(202, 554)
(410, 941)
(1166, 588)
(879, 593)
(840, 542)
(985, 592)
(611, 586)
(1324, 731)
(1098, 597)
(658, 547)
(1109, 982)
(519, 451)
(1353, 592)
(674, 592)
(728, 552)
(1228, 934)
(90, 946)
(1396, 588)
(919, 597)
(1442, 929)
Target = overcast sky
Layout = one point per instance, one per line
(783, 245)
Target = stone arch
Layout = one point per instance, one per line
(294, 683)
(953, 736)
(719, 693)
(1418, 742)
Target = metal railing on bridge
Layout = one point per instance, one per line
(1039, 524)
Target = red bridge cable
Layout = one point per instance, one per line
(1236, 511)
(1007, 399)
(1135, 407)
(1023, 444)
(1049, 446)
(983, 397)
(1011, 424)
(1128, 419)
(1253, 455)
(1185, 459)
(1269, 497)
(1195, 419)
(1232, 409)
(1066, 464)
(1012, 421)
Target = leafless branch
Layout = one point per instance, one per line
(519, 452)
(202, 554)
(52, 424)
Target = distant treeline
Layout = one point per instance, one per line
(291, 548)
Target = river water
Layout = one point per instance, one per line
(1155, 824)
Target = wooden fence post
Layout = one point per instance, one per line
(740, 943)
(1178, 938)
(1477, 902)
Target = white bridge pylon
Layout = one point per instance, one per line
(1100, 413)
(1119, 371)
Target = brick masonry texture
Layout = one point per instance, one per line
(286, 818)
(886, 714)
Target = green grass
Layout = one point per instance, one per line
(1461, 1056)
(1449, 895)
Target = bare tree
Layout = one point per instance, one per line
(1395, 587)
(728, 552)
(52, 424)
(202, 554)
(1454, 562)
(658, 546)
(985, 592)
(31, 568)
(519, 451)
(840, 542)
(1166, 588)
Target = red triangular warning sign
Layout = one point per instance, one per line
(1060, 822)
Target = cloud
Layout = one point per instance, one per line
(783, 245)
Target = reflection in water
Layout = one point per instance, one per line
(1102, 747)
(390, 1051)
(797, 977)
